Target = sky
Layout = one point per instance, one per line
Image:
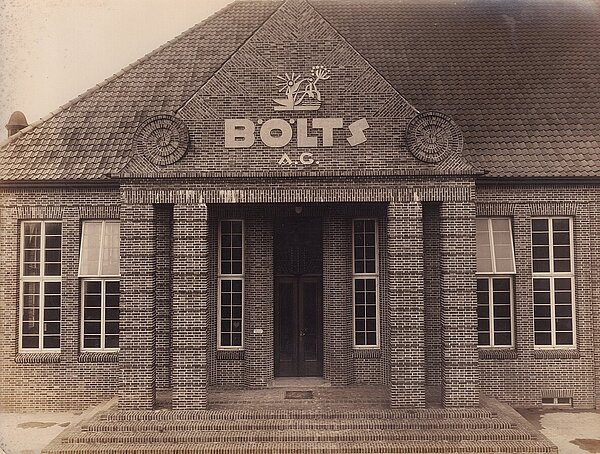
(51, 51)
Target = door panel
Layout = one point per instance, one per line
(298, 327)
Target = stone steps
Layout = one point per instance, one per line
(301, 424)
(316, 430)
(396, 447)
(304, 435)
(268, 414)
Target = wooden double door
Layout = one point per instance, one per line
(298, 310)
(298, 327)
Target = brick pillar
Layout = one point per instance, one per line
(70, 310)
(164, 236)
(189, 314)
(258, 312)
(406, 305)
(337, 299)
(460, 373)
(137, 320)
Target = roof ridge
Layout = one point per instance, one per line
(113, 77)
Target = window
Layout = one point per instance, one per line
(553, 282)
(41, 255)
(495, 270)
(557, 401)
(231, 284)
(99, 269)
(365, 283)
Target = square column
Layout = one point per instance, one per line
(258, 312)
(337, 300)
(137, 356)
(189, 308)
(406, 305)
(460, 373)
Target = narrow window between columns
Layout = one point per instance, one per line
(230, 327)
(365, 283)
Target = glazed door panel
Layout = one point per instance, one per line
(298, 327)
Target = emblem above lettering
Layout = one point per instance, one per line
(301, 94)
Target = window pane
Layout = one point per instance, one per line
(51, 342)
(503, 250)
(364, 238)
(231, 247)
(110, 249)
(32, 232)
(365, 312)
(112, 342)
(231, 302)
(90, 248)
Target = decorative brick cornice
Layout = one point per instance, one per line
(37, 358)
(40, 212)
(556, 354)
(554, 208)
(497, 353)
(348, 192)
(366, 353)
(230, 354)
(495, 209)
(99, 357)
(99, 212)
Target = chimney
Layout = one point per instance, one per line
(16, 123)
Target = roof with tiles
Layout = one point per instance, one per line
(521, 78)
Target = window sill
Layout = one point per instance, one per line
(99, 357)
(497, 353)
(37, 358)
(366, 352)
(559, 353)
(230, 354)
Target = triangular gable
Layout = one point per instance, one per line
(337, 113)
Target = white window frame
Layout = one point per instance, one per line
(102, 278)
(375, 276)
(231, 277)
(490, 276)
(490, 279)
(41, 279)
(102, 347)
(551, 276)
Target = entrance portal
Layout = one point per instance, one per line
(298, 297)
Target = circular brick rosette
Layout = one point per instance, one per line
(432, 136)
(163, 139)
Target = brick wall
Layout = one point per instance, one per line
(71, 379)
(523, 375)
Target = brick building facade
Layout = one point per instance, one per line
(264, 197)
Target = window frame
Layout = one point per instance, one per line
(41, 279)
(103, 279)
(231, 277)
(551, 276)
(490, 279)
(494, 274)
(98, 275)
(374, 276)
